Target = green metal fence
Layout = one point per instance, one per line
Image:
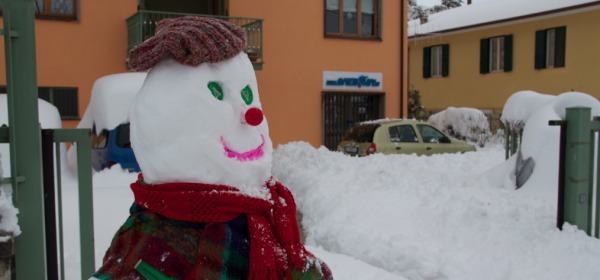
(142, 25)
(512, 139)
(37, 248)
(54, 250)
(578, 171)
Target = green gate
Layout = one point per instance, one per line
(36, 252)
(578, 169)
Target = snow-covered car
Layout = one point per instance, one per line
(399, 136)
(107, 117)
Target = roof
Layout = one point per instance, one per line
(494, 12)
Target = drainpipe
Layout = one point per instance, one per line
(403, 56)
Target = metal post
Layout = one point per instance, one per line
(50, 202)
(560, 211)
(25, 138)
(578, 180)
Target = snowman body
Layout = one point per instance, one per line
(205, 205)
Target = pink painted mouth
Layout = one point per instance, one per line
(251, 155)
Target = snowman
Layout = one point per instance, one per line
(206, 206)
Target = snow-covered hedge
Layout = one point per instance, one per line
(463, 123)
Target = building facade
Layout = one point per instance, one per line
(321, 65)
(479, 63)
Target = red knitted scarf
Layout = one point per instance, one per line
(274, 236)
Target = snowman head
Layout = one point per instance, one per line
(198, 116)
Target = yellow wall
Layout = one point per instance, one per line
(296, 54)
(465, 87)
(75, 54)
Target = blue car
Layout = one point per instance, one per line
(112, 147)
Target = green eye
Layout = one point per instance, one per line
(216, 90)
(247, 95)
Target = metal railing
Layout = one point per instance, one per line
(512, 139)
(578, 184)
(142, 25)
(52, 189)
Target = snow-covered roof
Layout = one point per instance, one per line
(490, 12)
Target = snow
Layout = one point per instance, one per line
(486, 11)
(110, 100)
(446, 217)
(449, 216)
(463, 123)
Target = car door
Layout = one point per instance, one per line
(404, 140)
(434, 141)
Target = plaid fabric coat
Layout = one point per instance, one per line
(186, 250)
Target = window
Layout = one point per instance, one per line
(63, 98)
(435, 61)
(60, 9)
(403, 134)
(352, 18)
(431, 134)
(496, 54)
(55, 9)
(550, 48)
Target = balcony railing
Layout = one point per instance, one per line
(142, 25)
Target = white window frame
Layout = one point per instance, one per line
(497, 54)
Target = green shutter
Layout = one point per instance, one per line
(426, 62)
(445, 60)
(540, 49)
(484, 56)
(508, 53)
(559, 48)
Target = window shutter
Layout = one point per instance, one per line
(540, 49)
(484, 56)
(508, 51)
(559, 48)
(427, 62)
(445, 60)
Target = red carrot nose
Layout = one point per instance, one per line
(254, 116)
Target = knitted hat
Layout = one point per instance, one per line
(190, 40)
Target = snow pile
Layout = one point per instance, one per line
(521, 105)
(463, 123)
(540, 141)
(110, 101)
(8, 213)
(434, 217)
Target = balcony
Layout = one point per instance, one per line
(142, 25)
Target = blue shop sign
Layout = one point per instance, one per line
(352, 80)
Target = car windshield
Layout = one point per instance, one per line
(361, 133)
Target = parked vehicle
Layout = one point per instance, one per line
(399, 136)
(107, 117)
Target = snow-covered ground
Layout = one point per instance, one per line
(399, 217)
(446, 217)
